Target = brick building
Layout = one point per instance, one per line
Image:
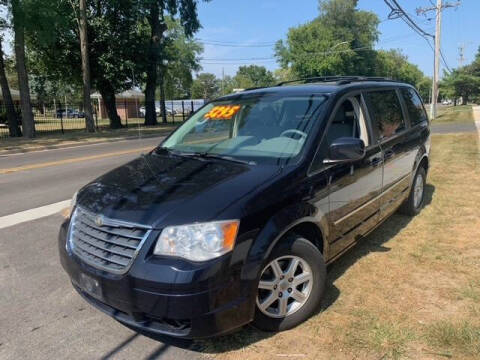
(128, 104)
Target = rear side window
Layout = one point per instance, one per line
(415, 108)
(386, 113)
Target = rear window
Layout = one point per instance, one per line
(415, 109)
(386, 113)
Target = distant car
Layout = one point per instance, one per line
(70, 113)
(446, 102)
(158, 112)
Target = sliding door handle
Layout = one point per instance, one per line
(388, 154)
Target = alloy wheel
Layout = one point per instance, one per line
(418, 191)
(285, 286)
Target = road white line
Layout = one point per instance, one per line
(33, 214)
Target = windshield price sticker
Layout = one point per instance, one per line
(222, 112)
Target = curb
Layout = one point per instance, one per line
(78, 144)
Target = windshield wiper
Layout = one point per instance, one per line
(206, 155)
(226, 157)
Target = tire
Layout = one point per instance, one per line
(413, 205)
(310, 261)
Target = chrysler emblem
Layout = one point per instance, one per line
(99, 220)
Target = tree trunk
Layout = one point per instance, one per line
(87, 103)
(108, 96)
(25, 102)
(163, 108)
(157, 28)
(152, 65)
(13, 126)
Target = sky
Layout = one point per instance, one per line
(254, 26)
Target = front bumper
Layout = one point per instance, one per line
(168, 296)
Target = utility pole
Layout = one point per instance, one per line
(436, 68)
(223, 81)
(461, 56)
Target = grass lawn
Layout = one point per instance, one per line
(458, 114)
(411, 289)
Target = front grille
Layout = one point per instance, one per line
(104, 243)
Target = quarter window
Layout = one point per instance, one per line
(415, 108)
(386, 113)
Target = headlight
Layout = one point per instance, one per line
(198, 242)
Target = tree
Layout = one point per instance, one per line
(424, 87)
(116, 44)
(158, 10)
(182, 54)
(13, 125)
(253, 76)
(19, 20)
(460, 83)
(395, 65)
(338, 42)
(87, 103)
(206, 86)
(284, 74)
(179, 59)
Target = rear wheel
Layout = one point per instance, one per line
(291, 285)
(415, 200)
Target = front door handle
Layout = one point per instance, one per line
(376, 161)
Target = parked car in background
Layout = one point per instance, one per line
(234, 217)
(158, 111)
(70, 113)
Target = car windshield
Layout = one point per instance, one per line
(260, 129)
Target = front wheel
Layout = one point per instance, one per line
(415, 200)
(291, 285)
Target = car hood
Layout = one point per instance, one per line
(161, 190)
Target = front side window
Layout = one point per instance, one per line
(386, 113)
(415, 108)
(348, 121)
(260, 129)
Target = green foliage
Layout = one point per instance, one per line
(253, 76)
(339, 42)
(424, 87)
(181, 54)
(395, 65)
(460, 83)
(205, 86)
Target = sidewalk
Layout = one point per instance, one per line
(476, 117)
(22, 145)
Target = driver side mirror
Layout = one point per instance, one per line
(345, 149)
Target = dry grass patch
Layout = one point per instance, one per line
(409, 290)
(460, 114)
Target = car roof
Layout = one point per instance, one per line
(321, 87)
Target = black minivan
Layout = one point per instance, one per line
(233, 218)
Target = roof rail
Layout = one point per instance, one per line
(340, 80)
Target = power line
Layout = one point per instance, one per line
(396, 11)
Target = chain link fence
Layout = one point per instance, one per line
(56, 118)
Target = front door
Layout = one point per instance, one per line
(354, 188)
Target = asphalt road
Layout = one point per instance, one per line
(30, 188)
(41, 316)
(453, 128)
